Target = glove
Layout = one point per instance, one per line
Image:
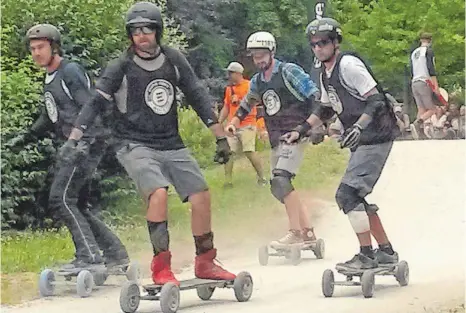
(351, 137)
(72, 151)
(19, 139)
(223, 152)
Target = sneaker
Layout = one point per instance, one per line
(291, 238)
(358, 262)
(161, 269)
(81, 264)
(385, 258)
(205, 267)
(308, 235)
(111, 263)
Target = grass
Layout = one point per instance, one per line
(25, 254)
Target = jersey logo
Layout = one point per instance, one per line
(159, 96)
(417, 54)
(51, 107)
(271, 102)
(334, 100)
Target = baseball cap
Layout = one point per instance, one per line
(235, 67)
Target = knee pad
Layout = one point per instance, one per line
(159, 237)
(348, 198)
(359, 219)
(280, 184)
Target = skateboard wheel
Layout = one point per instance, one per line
(84, 283)
(205, 292)
(402, 273)
(367, 284)
(133, 273)
(295, 255)
(328, 283)
(263, 255)
(130, 297)
(319, 251)
(46, 286)
(169, 298)
(243, 286)
(100, 278)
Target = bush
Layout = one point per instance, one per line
(92, 33)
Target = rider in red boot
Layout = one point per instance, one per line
(142, 83)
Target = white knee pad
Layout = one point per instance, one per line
(359, 220)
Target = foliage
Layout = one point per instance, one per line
(92, 33)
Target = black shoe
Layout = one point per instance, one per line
(81, 264)
(358, 262)
(112, 263)
(385, 258)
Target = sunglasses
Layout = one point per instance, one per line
(141, 30)
(321, 43)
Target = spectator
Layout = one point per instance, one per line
(436, 129)
(461, 122)
(423, 73)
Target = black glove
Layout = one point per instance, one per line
(72, 151)
(223, 151)
(19, 139)
(350, 138)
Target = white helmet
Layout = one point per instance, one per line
(261, 40)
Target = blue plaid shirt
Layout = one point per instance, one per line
(300, 81)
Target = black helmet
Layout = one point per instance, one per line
(145, 13)
(44, 31)
(324, 27)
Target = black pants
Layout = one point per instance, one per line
(89, 233)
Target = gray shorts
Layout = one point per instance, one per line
(152, 169)
(287, 157)
(365, 167)
(422, 94)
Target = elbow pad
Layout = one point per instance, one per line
(323, 112)
(374, 104)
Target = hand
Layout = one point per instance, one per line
(15, 141)
(231, 129)
(72, 150)
(223, 152)
(290, 137)
(264, 135)
(351, 137)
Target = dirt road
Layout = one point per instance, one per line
(422, 199)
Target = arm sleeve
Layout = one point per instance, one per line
(41, 125)
(430, 59)
(108, 84)
(355, 74)
(300, 81)
(78, 83)
(196, 95)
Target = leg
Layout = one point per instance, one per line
(248, 143)
(288, 159)
(423, 96)
(364, 169)
(143, 165)
(352, 205)
(185, 174)
(234, 146)
(114, 251)
(63, 200)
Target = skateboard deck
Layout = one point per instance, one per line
(442, 97)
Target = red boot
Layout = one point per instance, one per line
(205, 267)
(161, 269)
